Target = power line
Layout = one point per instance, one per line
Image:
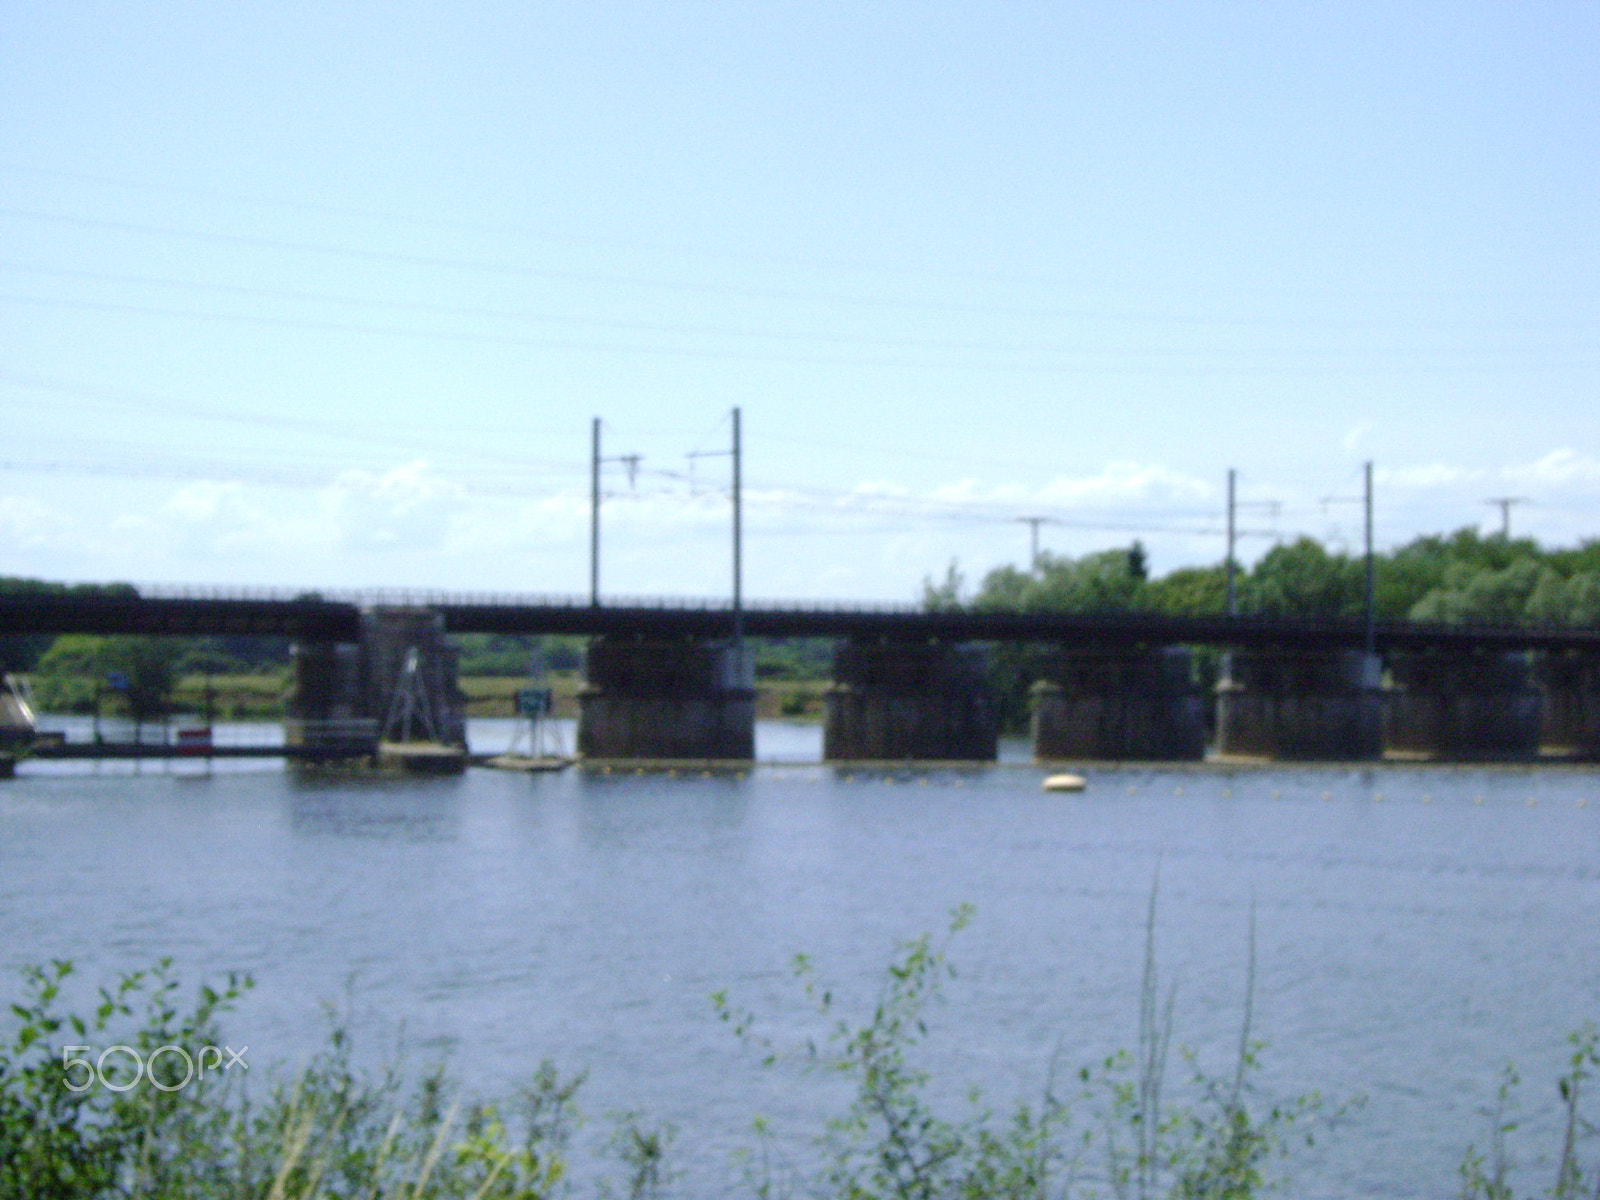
(1137, 359)
(482, 266)
(635, 244)
(365, 433)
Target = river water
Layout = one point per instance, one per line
(1417, 928)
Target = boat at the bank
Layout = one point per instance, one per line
(18, 725)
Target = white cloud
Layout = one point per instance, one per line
(965, 491)
(1559, 468)
(1119, 482)
(210, 520)
(407, 508)
(872, 488)
(1356, 434)
(25, 524)
(559, 520)
(1425, 475)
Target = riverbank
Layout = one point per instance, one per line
(261, 696)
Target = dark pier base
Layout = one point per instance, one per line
(1310, 705)
(1113, 703)
(683, 699)
(388, 636)
(1462, 706)
(1571, 724)
(909, 700)
(343, 692)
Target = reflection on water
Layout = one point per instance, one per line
(1417, 927)
(348, 811)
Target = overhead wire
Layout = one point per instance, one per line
(1140, 368)
(522, 270)
(168, 188)
(364, 433)
(1202, 360)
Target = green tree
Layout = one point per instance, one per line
(1108, 581)
(145, 667)
(149, 667)
(1302, 579)
(944, 596)
(1189, 591)
(1473, 595)
(1571, 601)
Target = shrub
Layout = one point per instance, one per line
(330, 1132)
(892, 1142)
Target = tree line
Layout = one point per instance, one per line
(1460, 578)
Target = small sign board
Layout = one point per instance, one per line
(534, 702)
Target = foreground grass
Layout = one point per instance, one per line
(76, 1126)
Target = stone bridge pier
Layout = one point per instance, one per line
(1301, 703)
(1571, 718)
(900, 700)
(342, 692)
(1112, 702)
(686, 698)
(1462, 705)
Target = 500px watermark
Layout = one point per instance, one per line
(210, 1058)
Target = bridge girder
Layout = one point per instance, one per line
(310, 620)
(336, 621)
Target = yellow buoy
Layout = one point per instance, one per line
(1065, 783)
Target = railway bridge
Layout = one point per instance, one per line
(672, 679)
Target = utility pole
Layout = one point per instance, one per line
(738, 538)
(1234, 505)
(594, 516)
(595, 460)
(736, 453)
(1033, 523)
(1233, 567)
(1371, 579)
(1505, 503)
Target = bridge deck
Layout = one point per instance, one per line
(312, 619)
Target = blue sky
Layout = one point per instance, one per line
(328, 295)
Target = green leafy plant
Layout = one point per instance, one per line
(891, 1141)
(124, 1129)
(1486, 1174)
(1219, 1144)
(329, 1133)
